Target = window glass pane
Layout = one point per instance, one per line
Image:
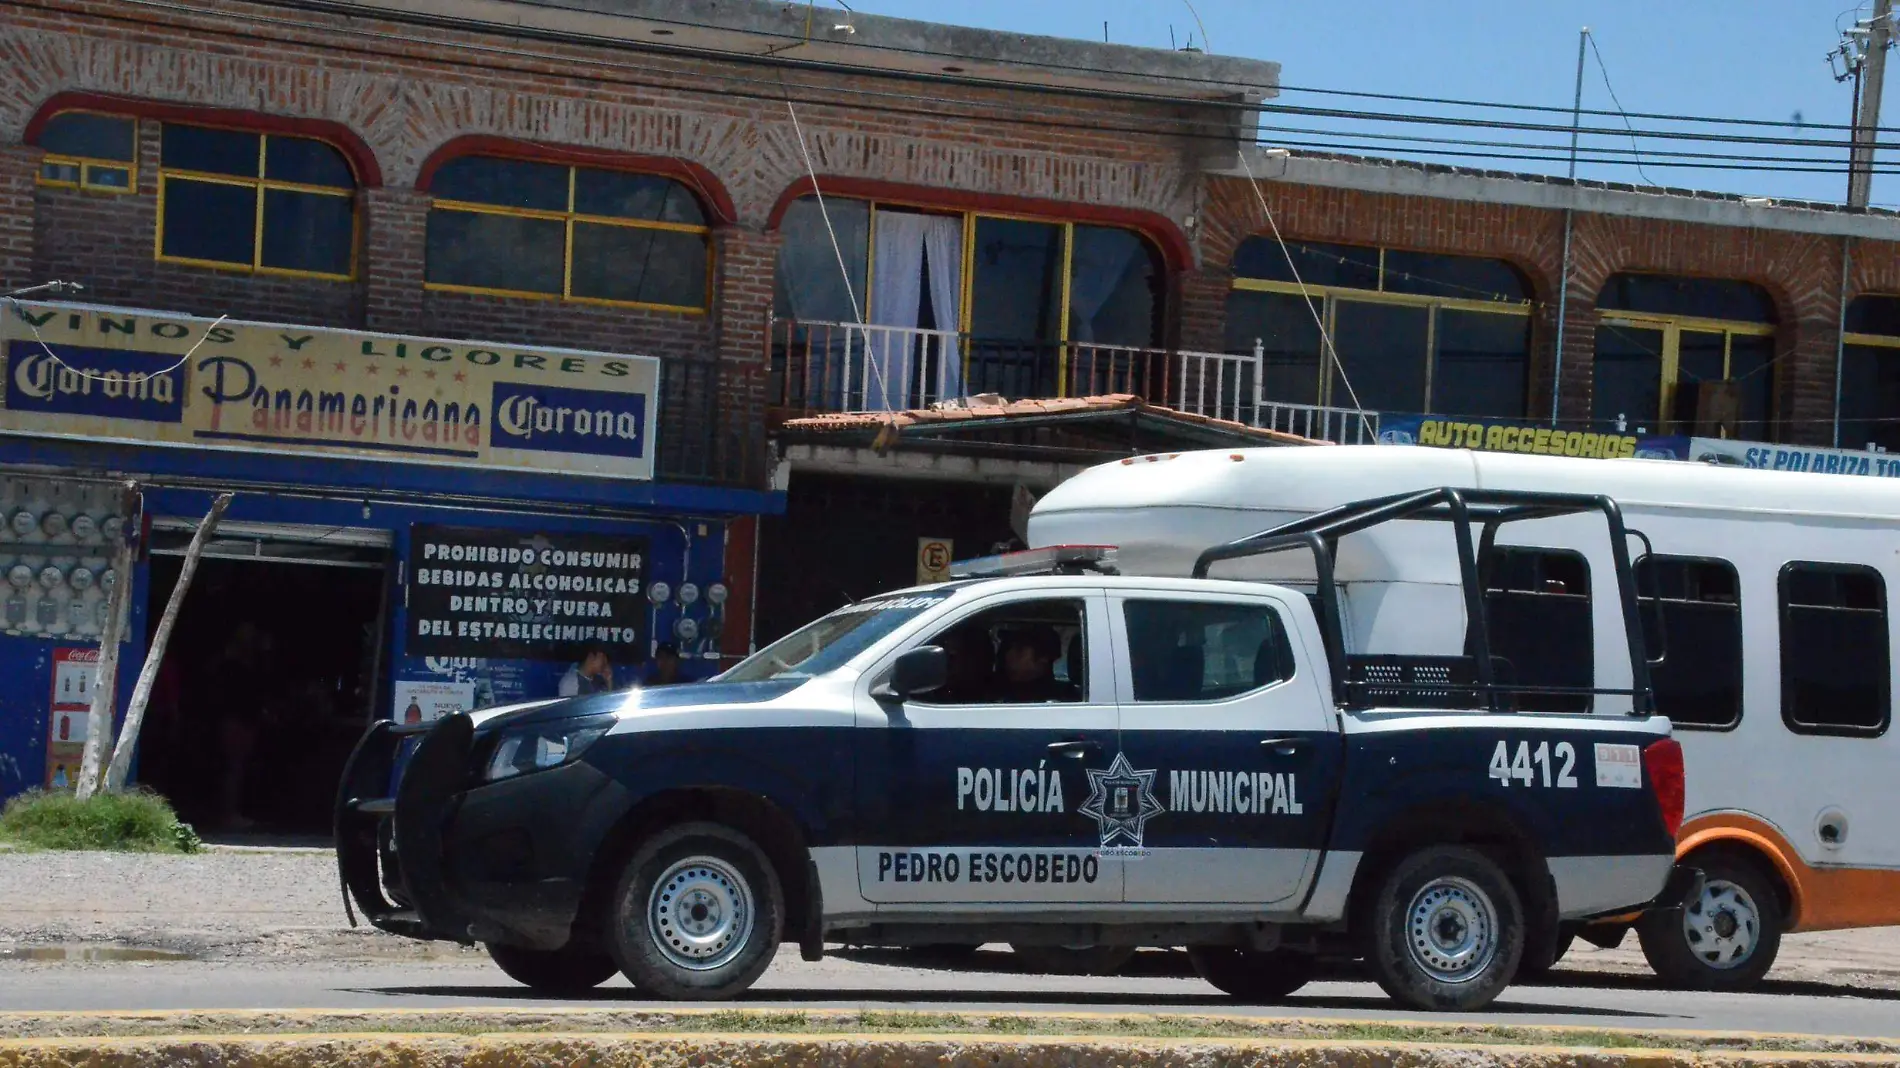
(108, 177)
(1874, 315)
(81, 133)
(1017, 291)
(808, 285)
(508, 183)
(308, 231)
(1692, 618)
(495, 251)
(1628, 377)
(1707, 298)
(1289, 339)
(199, 148)
(1454, 277)
(634, 263)
(307, 162)
(1382, 348)
(1483, 364)
(1870, 397)
(1537, 612)
(1027, 652)
(1750, 366)
(1115, 287)
(60, 172)
(1700, 358)
(1320, 264)
(210, 221)
(831, 642)
(1834, 646)
(624, 195)
(1203, 651)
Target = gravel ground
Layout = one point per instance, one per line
(284, 904)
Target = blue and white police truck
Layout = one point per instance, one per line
(1046, 753)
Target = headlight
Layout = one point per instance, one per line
(539, 746)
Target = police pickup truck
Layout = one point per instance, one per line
(1044, 753)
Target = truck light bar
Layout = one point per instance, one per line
(1050, 560)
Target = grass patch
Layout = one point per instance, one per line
(137, 821)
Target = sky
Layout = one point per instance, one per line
(1753, 59)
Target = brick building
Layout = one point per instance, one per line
(586, 213)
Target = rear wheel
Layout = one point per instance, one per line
(697, 915)
(1250, 976)
(1073, 960)
(1446, 930)
(557, 971)
(1725, 938)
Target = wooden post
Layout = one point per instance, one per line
(148, 675)
(105, 685)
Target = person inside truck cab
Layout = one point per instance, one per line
(971, 656)
(1025, 667)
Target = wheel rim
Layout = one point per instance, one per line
(1722, 926)
(700, 912)
(1452, 930)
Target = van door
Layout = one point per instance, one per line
(1222, 713)
(974, 794)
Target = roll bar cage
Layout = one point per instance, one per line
(1354, 678)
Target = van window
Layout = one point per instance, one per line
(1204, 650)
(1833, 649)
(1537, 609)
(1692, 617)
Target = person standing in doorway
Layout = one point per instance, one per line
(664, 669)
(594, 674)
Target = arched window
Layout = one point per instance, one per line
(90, 150)
(262, 202)
(515, 227)
(1870, 374)
(1415, 331)
(1685, 356)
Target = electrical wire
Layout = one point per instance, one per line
(1604, 70)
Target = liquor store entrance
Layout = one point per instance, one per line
(273, 670)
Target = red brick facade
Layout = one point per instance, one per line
(406, 90)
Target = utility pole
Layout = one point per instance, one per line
(1863, 57)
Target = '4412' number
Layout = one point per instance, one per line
(1506, 767)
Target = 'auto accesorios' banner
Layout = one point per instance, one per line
(1497, 435)
(110, 374)
(513, 596)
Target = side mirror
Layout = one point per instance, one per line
(916, 672)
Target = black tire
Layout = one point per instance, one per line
(1073, 960)
(1256, 978)
(717, 951)
(559, 971)
(1445, 931)
(1695, 947)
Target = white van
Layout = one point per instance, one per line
(1766, 609)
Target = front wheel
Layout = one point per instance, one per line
(1725, 938)
(697, 915)
(1253, 977)
(558, 971)
(1446, 930)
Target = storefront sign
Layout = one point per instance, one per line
(114, 375)
(1491, 435)
(513, 596)
(426, 702)
(1763, 457)
(68, 716)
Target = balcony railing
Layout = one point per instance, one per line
(846, 367)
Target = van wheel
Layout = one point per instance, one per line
(1073, 960)
(1253, 977)
(557, 971)
(1724, 939)
(697, 915)
(1446, 930)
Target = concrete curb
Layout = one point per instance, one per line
(848, 1051)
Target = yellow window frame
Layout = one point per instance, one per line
(568, 219)
(87, 163)
(259, 186)
(1672, 327)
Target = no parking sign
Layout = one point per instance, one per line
(933, 560)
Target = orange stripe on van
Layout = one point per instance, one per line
(1825, 899)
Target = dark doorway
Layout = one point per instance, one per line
(265, 687)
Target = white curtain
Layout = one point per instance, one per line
(1099, 263)
(943, 237)
(897, 292)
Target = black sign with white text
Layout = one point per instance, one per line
(509, 595)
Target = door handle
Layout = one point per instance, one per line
(1284, 746)
(1076, 748)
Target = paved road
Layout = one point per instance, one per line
(891, 981)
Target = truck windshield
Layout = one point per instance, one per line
(820, 646)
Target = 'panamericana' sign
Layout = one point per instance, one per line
(110, 374)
